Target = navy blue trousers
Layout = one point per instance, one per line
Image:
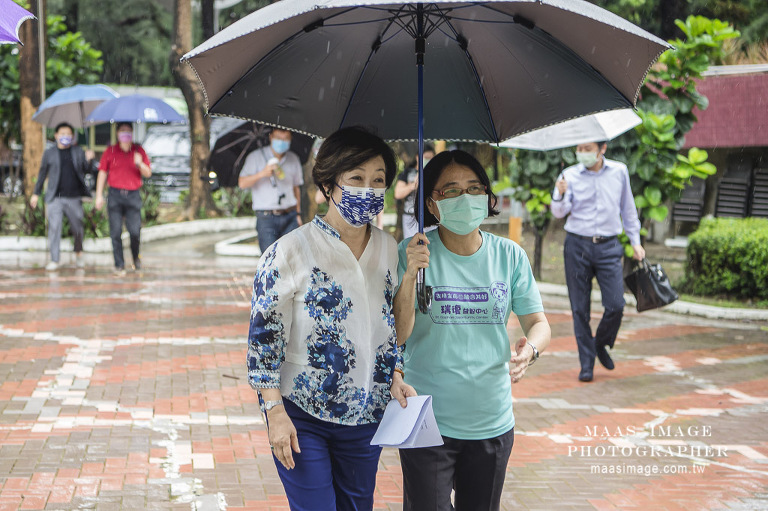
(336, 469)
(585, 260)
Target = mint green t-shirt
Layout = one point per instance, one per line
(459, 353)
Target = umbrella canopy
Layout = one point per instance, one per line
(454, 70)
(590, 128)
(492, 69)
(135, 108)
(238, 139)
(12, 15)
(72, 105)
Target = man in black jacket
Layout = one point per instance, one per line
(64, 166)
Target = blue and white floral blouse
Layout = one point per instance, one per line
(322, 328)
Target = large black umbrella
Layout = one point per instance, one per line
(238, 139)
(455, 70)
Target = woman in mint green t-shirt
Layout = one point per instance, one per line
(460, 353)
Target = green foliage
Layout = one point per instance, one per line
(69, 60)
(150, 204)
(33, 219)
(135, 34)
(3, 218)
(233, 201)
(668, 98)
(95, 222)
(728, 256)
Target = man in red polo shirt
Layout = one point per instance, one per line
(122, 167)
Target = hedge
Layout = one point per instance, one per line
(728, 256)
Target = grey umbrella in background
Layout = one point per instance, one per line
(72, 105)
(452, 70)
(590, 128)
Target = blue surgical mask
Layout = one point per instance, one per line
(280, 146)
(65, 140)
(463, 214)
(360, 205)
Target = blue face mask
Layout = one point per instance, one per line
(463, 214)
(65, 140)
(280, 146)
(360, 205)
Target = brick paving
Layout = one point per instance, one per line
(130, 393)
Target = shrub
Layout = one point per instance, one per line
(3, 218)
(233, 201)
(728, 256)
(33, 219)
(95, 222)
(150, 204)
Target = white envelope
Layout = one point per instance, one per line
(409, 427)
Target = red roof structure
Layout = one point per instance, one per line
(738, 109)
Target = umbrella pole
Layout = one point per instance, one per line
(423, 292)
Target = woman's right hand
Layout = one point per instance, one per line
(282, 437)
(417, 254)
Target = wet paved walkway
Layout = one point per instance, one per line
(130, 393)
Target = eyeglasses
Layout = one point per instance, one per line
(450, 193)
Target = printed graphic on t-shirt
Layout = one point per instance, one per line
(470, 305)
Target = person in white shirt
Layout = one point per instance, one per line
(322, 347)
(274, 176)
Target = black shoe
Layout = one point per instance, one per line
(604, 357)
(585, 375)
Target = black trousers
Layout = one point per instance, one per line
(474, 469)
(124, 204)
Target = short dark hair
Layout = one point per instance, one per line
(347, 149)
(63, 125)
(434, 170)
(121, 124)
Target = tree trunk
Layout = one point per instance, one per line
(537, 248)
(32, 134)
(207, 18)
(199, 125)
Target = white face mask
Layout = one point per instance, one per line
(588, 159)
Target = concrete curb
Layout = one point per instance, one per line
(153, 233)
(678, 307)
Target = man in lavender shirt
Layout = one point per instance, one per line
(596, 194)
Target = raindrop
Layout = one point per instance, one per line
(245, 94)
(482, 80)
(333, 81)
(321, 94)
(269, 80)
(594, 48)
(382, 112)
(328, 48)
(629, 62)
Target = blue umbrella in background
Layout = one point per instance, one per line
(135, 108)
(12, 15)
(72, 105)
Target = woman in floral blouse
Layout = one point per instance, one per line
(322, 348)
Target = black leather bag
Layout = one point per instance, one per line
(651, 286)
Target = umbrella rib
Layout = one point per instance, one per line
(465, 47)
(374, 49)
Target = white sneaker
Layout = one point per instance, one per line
(52, 266)
(119, 272)
(79, 262)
